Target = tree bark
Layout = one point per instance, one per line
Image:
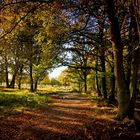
(123, 92)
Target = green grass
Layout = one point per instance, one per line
(15, 101)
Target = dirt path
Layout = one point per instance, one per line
(65, 118)
(68, 117)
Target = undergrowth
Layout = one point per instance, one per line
(15, 101)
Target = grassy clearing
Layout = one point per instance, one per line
(13, 101)
(16, 101)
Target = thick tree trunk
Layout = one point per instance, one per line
(123, 92)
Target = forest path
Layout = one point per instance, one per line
(65, 118)
(69, 116)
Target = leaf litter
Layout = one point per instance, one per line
(73, 117)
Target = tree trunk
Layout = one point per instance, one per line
(35, 85)
(135, 63)
(96, 80)
(31, 79)
(102, 58)
(134, 39)
(6, 73)
(112, 86)
(20, 76)
(123, 92)
(128, 70)
(85, 80)
(104, 92)
(80, 87)
(6, 77)
(19, 83)
(12, 83)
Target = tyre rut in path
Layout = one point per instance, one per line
(65, 118)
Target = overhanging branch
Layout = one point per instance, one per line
(22, 18)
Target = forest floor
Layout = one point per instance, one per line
(69, 116)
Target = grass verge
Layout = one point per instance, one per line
(16, 101)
